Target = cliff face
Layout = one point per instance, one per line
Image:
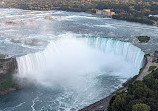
(7, 68)
(7, 65)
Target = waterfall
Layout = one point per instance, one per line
(77, 55)
(125, 49)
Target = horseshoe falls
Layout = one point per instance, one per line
(69, 54)
(70, 61)
(130, 52)
(79, 70)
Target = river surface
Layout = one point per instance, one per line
(71, 59)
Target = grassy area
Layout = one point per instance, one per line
(2, 56)
(151, 74)
(151, 68)
(143, 38)
(155, 60)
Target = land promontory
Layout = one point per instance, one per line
(8, 66)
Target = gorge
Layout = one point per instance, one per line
(71, 60)
(70, 64)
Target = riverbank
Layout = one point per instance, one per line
(148, 22)
(134, 11)
(103, 104)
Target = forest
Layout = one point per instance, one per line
(131, 10)
(140, 96)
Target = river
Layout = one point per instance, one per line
(71, 59)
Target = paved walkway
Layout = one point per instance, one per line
(150, 63)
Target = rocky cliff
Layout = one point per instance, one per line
(8, 67)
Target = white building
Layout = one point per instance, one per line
(105, 12)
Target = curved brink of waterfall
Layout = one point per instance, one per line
(125, 49)
(75, 55)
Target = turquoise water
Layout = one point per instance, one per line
(71, 60)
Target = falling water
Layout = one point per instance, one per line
(72, 57)
(72, 72)
(127, 50)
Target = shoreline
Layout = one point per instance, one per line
(89, 13)
(102, 104)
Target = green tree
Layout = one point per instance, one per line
(119, 102)
(133, 102)
(141, 107)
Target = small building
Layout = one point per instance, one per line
(156, 54)
(105, 12)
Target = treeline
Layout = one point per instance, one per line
(140, 96)
(140, 19)
(131, 10)
(137, 11)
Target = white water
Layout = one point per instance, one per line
(128, 51)
(71, 72)
(68, 60)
